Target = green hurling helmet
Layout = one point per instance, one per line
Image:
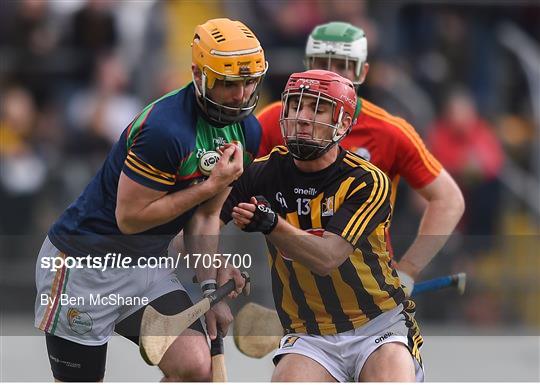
(337, 40)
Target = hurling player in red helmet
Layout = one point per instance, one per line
(389, 142)
(324, 211)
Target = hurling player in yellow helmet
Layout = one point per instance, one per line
(169, 172)
(226, 52)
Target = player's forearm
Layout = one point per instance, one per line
(438, 222)
(164, 209)
(202, 234)
(318, 254)
(202, 238)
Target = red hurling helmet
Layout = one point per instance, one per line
(316, 86)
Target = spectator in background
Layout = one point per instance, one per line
(282, 26)
(102, 111)
(94, 30)
(467, 147)
(31, 41)
(22, 171)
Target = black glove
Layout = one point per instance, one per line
(264, 218)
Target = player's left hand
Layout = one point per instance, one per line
(219, 316)
(256, 216)
(407, 282)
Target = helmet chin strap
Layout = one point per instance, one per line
(200, 92)
(203, 78)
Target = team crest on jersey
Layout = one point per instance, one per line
(364, 153)
(327, 209)
(79, 322)
(200, 152)
(289, 342)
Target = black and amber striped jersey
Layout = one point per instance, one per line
(350, 198)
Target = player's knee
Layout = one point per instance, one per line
(278, 375)
(198, 370)
(392, 362)
(189, 374)
(195, 367)
(388, 375)
(200, 373)
(285, 370)
(281, 375)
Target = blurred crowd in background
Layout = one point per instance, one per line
(74, 73)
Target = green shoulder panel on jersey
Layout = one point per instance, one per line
(210, 138)
(137, 124)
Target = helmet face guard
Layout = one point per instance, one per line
(337, 40)
(327, 58)
(219, 113)
(322, 87)
(227, 51)
(302, 146)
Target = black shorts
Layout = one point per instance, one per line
(72, 362)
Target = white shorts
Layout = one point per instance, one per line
(344, 354)
(84, 305)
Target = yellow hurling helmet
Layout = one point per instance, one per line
(226, 50)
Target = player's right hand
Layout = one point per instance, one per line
(229, 167)
(256, 216)
(229, 272)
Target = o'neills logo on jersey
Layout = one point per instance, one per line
(218, 142)
(79, 322)
(383, 337)
(305, 191)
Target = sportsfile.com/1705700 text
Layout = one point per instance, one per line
(114, 260)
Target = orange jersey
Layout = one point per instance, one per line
(389, 142)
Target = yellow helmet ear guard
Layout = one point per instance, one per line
(227, 50)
